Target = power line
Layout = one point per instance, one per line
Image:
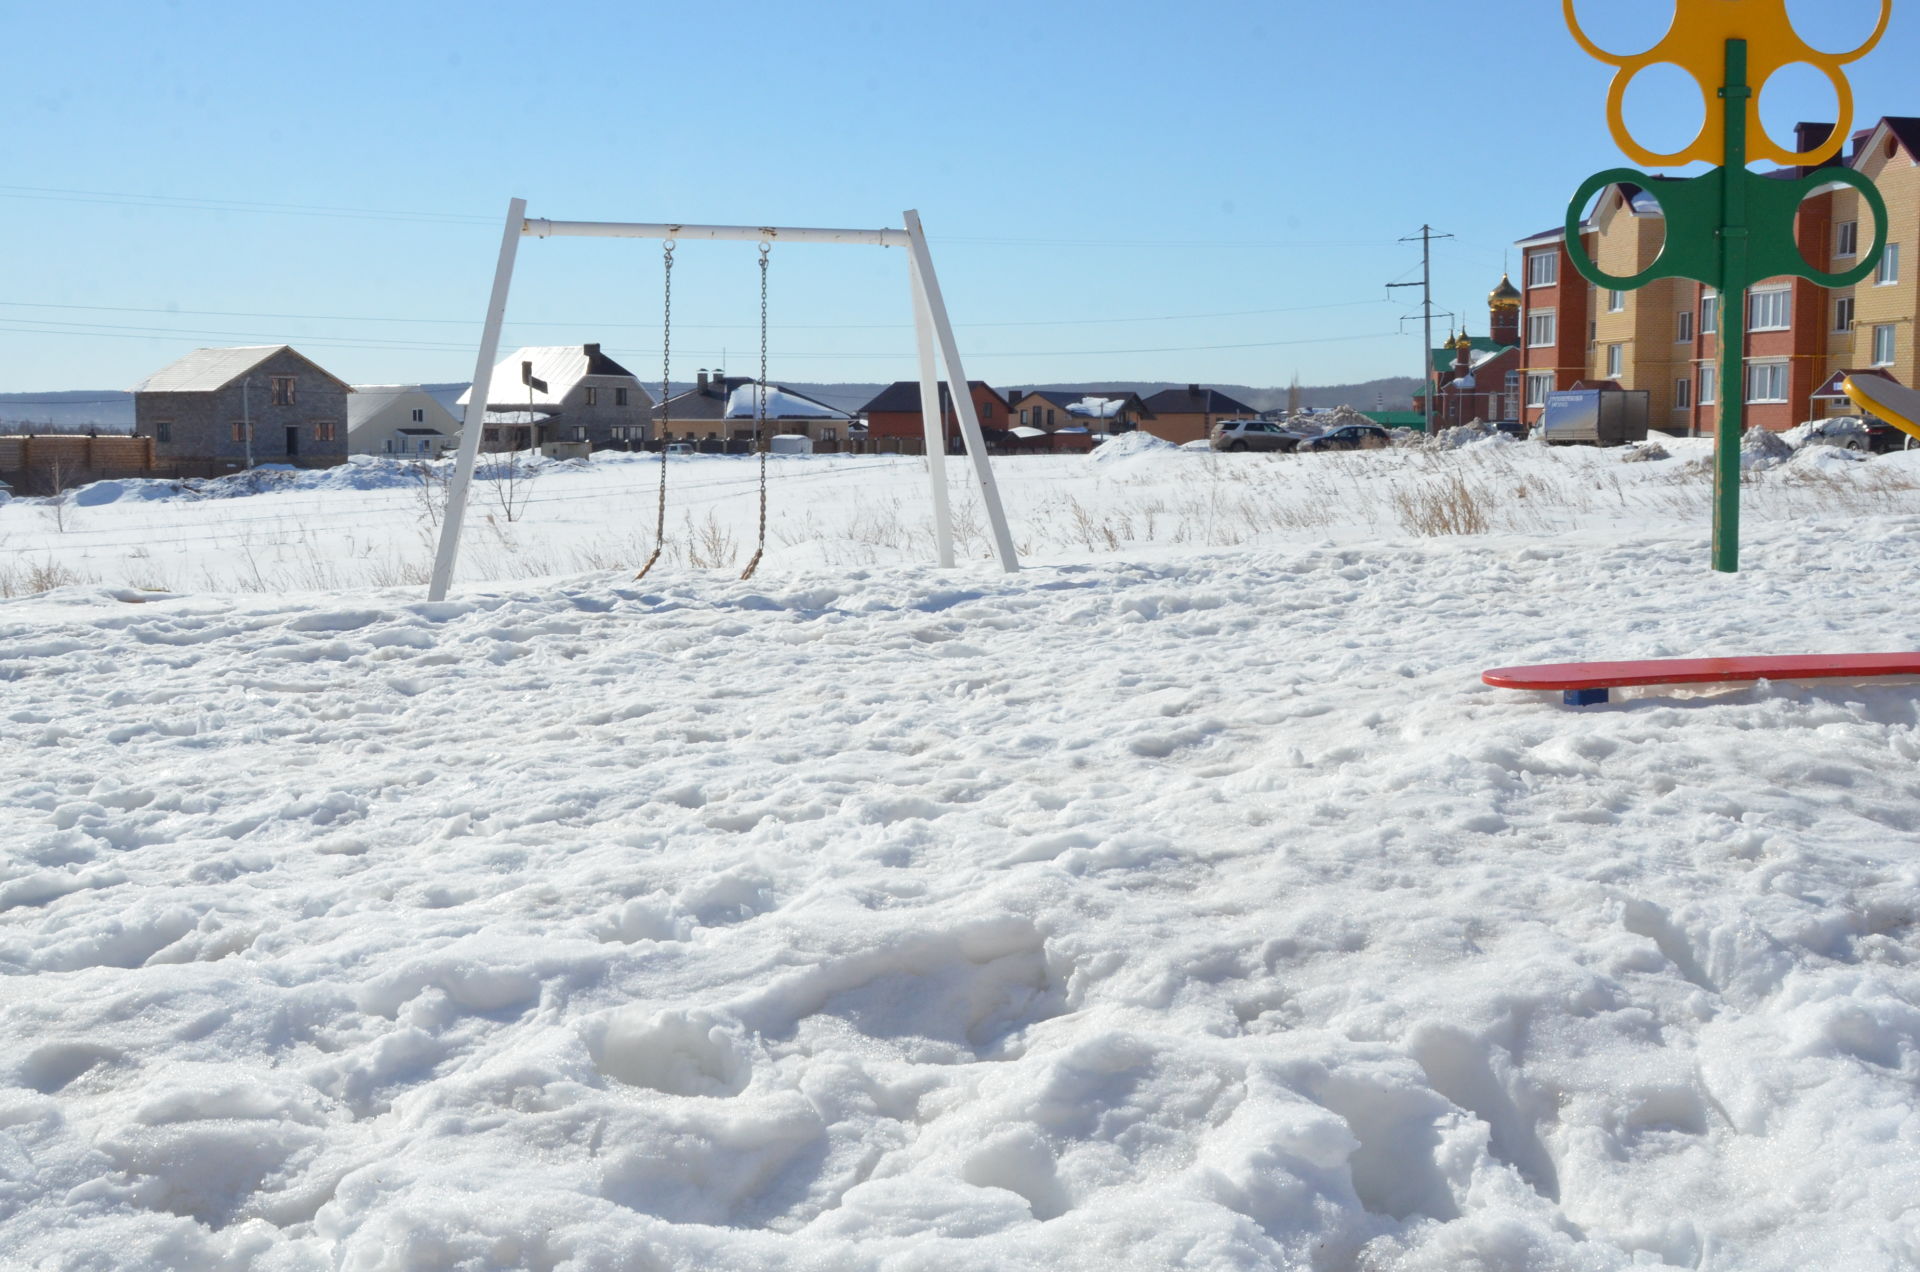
(712, 326)
(106, 331)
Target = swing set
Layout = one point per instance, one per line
(931, 325)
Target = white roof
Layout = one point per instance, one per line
(205, 370)
(560, 366)
(782, 404)
(1096, 407)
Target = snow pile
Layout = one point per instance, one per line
(1469, 434)
(1820, 457)
(1128, 446)
(1848, 431)
(1761, 449)
(1645, 452)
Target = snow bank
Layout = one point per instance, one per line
(1128, 446)
(1762, 449)
(1847, 431)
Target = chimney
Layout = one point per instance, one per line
(701, 383)
(592, 350)
(1193, 390)
(1811, 136)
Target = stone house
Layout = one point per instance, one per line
(258, 404)
(894, 414)
(563, 393)
(399, 420)
(1189, 414)
(1098, 410)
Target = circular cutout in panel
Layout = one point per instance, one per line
(1835, 27)
(1664, 108)
(1625, 28)
(1616, 248)
(1796, 92)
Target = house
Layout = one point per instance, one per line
(399, 419)
(1664, 338)
(563, 393)
(893, 416)
(231, 408)
(1099, 410)
(1189, 414)
(722, 408)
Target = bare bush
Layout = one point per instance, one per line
(1448, 506)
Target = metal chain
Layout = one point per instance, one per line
(666, 390)
(760, 415)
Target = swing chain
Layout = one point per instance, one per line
(666, 390)
(760, 415)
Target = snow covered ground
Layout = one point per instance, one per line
(1183, 901)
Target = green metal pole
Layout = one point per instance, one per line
(1733, 316)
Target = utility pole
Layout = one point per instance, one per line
(1426, 237)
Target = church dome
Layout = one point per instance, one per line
(1505, 296)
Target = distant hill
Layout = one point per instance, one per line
(111, 411)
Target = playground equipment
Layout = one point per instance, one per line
(1897, 404)
(1728, 228)
(931, 325)
(1586, 684)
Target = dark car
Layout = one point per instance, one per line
(1349, 437)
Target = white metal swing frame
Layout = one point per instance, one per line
(931, 326)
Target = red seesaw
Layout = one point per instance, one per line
(1586, 684)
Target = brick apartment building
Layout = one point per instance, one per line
(1664, 338)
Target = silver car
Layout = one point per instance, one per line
(1253, 435)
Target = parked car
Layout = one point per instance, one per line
(679, 448)
(1253, 435)
(1349, 437)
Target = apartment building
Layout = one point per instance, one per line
(1664, 338)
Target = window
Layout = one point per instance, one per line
(1613, 362)
(1709, 314)
(829, 434)
(1541, 328)
(1539, 384)
(1543, 268)
(986, 411)
(1709, 382)
(242, 431)
(1766, 382)
(1049, 419)
(424, 445)
(1616, 302)
(326, 431)
(593, 396)
(389, 446)
(619, 397)
(1770, 310)
(1683, 327)
(283, 390)
(1846, 238)
(163, 430)
(1023, 417)
(1682, 394)
(1883, 347)
(1889, 271)
(1843, 314)
(419, 415)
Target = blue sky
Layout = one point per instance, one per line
(1205, 192)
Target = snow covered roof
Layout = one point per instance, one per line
(561, 367)
(1096, 408)
(782, 404)
(207, 370)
